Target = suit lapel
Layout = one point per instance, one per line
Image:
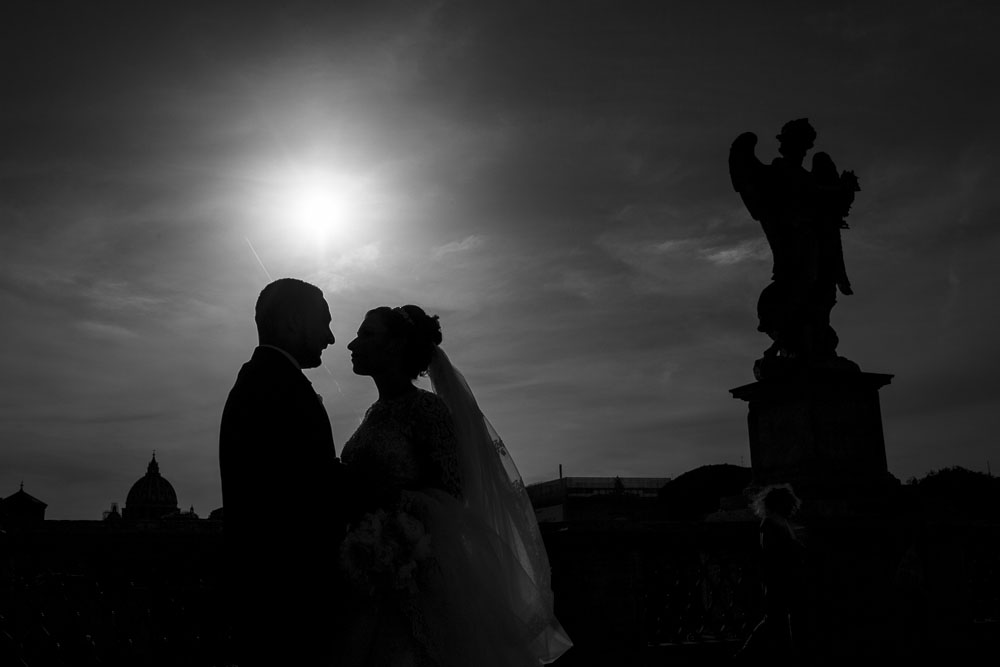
(301, 397)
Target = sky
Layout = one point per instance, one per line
(548, 177)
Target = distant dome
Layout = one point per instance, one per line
(152, 497)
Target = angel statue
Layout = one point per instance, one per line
(802, 213)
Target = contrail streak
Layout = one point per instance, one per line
(263, 268)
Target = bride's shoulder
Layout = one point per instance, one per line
(429, 399)
(430, 405)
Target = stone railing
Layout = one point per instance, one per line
(627, 593)
(869, 587)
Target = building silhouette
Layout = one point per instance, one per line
(595, 498)
(22, 507)
(113, 514)
(151, 497)
(638, 568)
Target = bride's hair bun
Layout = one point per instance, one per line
(422, 333)
(427, 326)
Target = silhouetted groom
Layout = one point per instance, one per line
(279, 476)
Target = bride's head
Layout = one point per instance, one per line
(395, 341)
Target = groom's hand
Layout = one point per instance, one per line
(349, 492)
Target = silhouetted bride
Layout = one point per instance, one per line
(447, 561)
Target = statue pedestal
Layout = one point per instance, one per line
(820, 432)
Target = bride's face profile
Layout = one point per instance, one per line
(374, 351)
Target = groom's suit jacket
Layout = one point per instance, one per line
(282, 518)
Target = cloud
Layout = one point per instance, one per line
(107, 330)
(467, 244)
(363, 258)
(120, 296)
(58, 416)
(683, 266)
(586, 283)
(743, 251)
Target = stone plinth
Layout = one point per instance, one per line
(820, 432)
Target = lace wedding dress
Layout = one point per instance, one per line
(448, 568)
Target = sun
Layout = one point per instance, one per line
(321, 207)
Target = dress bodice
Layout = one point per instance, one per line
(407, 442)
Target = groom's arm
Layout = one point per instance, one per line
(255, 460)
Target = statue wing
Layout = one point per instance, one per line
(747, 173)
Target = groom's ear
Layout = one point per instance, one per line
(289, 327)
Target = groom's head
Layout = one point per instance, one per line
(293, 315)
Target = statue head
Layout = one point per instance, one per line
(796, 138)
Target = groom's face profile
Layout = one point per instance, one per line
(293, 315)
(311, 334)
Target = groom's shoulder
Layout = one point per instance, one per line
(259, 375)
(250, 373)
(264, 364)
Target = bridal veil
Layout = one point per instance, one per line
(495, 498)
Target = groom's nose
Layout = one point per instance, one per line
(330, 340)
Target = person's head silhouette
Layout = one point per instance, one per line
(293, 315)
(796, 139)
(777, 501)
(395, 341)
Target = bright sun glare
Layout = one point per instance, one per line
(322, 208)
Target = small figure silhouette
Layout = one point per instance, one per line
(782, 557)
